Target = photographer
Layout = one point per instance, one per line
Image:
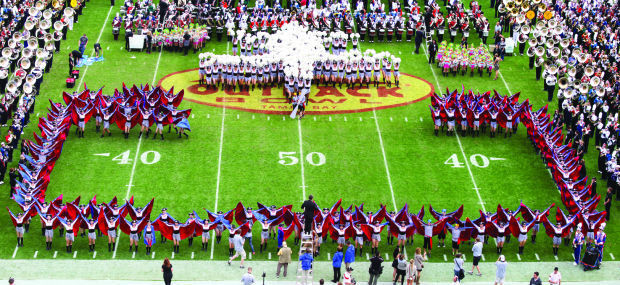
(375, 269)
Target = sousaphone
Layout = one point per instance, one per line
(600, 91)
(572, 72)
(29, 25)
(526, 29)
(583, 57)
(24, 63)
(589, 71)
(33, 43)
(564, 43)
(7, 52)
(28, 85)
(68, 12)
(530, 51)
(584, 88)
(47, 14)
(12, 86)
(595, 81)
(563, 83)
(4, 73)
(58, 25)
(540, 51)
(45, 24)
(555, 52)
(39, 5)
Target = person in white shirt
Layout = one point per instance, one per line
(347, 278)
(555, 278)
(477, 253)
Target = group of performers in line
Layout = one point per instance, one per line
(254, 67)
(474, 111)
(128, 108)
(94, 220)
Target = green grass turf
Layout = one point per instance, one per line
(186, 176)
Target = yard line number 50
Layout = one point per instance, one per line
(291, 158)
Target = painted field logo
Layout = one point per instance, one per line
(323, 100)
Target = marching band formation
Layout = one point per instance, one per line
(94, 220)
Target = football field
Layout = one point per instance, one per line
(370, 146)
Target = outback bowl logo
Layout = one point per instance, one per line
(323, 99)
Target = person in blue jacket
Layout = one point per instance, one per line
(337, 264)
(306, 265)
(349, 256)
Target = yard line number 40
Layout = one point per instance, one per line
(477, 160)
(292, 158)
(147, 157)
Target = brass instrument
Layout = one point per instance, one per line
(514, 12)
(68, 12)
(41, 53)
(26, 53)
(563, 83)
(549, 43)
(6, 52)
(48, 37)
(39, 5)
(540, 25)
(45, 24)
(582, 57)
(28, 86)
(532, 42)
(34, 12)
(24, 63)
(572, 72)
(33, 43)
(562, 61)
(564, 43)
(4, 62)
(47, 14)
(552, 23)
(530, 51)
(589, 71)
(510, 5)
(17, 36)
(518, 2)
(4, 73)
(520, 19)
(595, 81)
(584, 88)
(600, 91)
(56, 5)
(553, 69)
(49, 46)
(541, 7)
(58, 25)
(29, 25)
(12, 86)
(539, 62)
(40, 63)
(540, 51)
(525, 7)
(526, 29)
(555, 52)
(501, 9)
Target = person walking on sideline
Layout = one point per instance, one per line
(347, 279)
(500, 274)
(248, 278)
(477, 252)
(284, 259)
(555, 278)
(166, 268)
(458, 265)
(349, 256)
(535, 280)
(306, 265)
(309, 207)
(337, 264)
(238, 242)
(410, 272)
(419, 264)
(375, 269)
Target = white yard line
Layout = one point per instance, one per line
(458, 140)
(135, 161)
(301, 162)
(219, 171)
(93, 52)
(219, 165)
(15, 251)
(505, 84)
(385, 163)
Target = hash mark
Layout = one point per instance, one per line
(421, 120)
(153, 255)
(345, 119)
(268, 118)
(75, 253)
(35, 254)
(193, 254)
(314, 118)
(406, 120)
(483, 258)
(55, 254)
(329, 256)
(173, 255)
(387, 257)
(391, 119)
(133, 255)
(518, 256)
(612, 256)
(367, 256)
(192, 116)
(537, 257)
(108, 48)
(330, 118)
(94, 255)
(252, 117)
(360, 119)
(556, 257)
(445, 258)
(209, 116)
(15, 251)
(237, 116)
(270, 255)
